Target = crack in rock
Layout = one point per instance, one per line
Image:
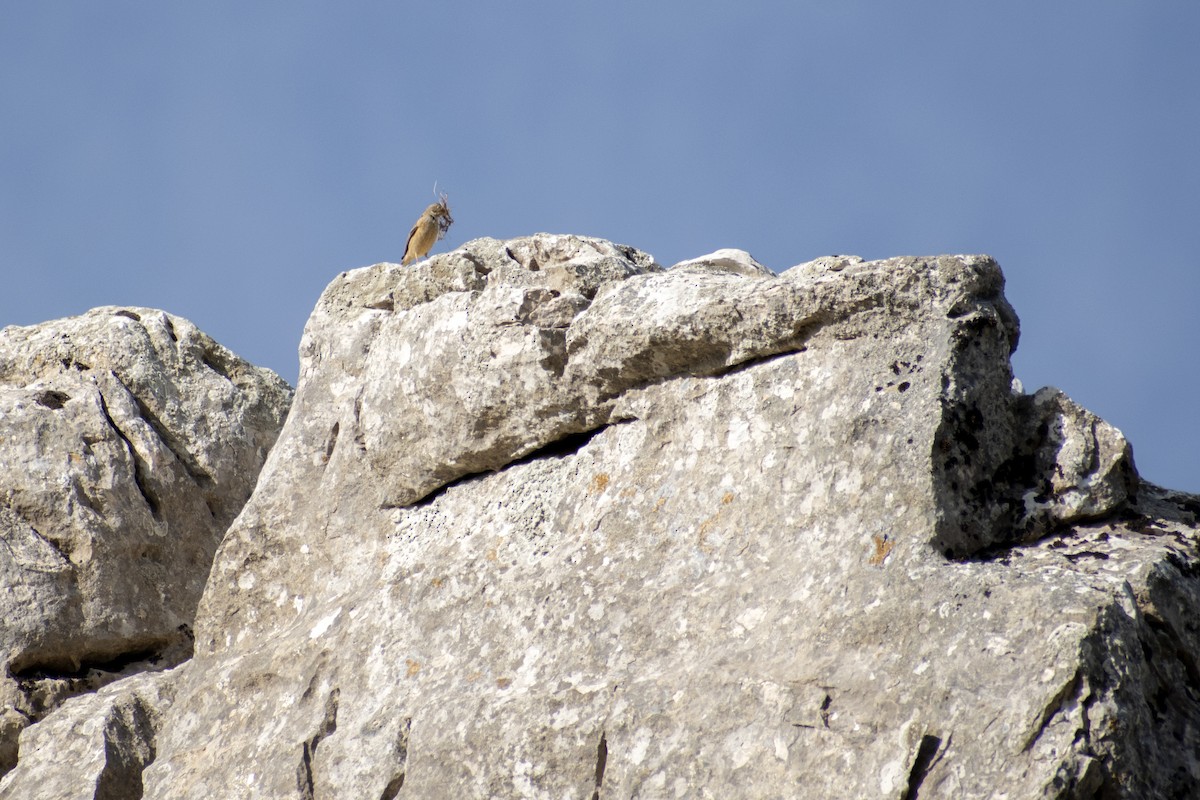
(140, 477)
(922, 763)
(400, 754)
(308, 751)
(601, 764)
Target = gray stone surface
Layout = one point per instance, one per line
(129, 441)
(547, 520)
(95, 747)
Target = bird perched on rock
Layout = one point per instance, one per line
(431, 226)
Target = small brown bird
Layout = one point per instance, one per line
(431, 226)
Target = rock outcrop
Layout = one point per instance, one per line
(129, 441)
(547, 520)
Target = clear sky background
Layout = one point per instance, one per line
(225, 160)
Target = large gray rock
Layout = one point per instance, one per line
(129, 441)
(550, 521)
(95, 747)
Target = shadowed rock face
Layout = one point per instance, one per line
(129, 441)
(548, 520)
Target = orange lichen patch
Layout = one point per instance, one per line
(599, 483)
(492, 554)
(707, 525)
(504, 683)
(883, 546)
(702, 533)
(661, 502)
(437, 582)
(473, 676)
(413, 667)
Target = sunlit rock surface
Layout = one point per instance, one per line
(548, 520)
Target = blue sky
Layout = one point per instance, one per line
(224, 161)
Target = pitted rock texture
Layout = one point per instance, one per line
(548, 520)
(129, 441)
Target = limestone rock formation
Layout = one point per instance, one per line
(548, 520)
(129, 441)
